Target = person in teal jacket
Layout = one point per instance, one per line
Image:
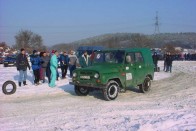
(85, 60)
(53, 68)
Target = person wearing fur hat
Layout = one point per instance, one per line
(21, 65)
(36, 62)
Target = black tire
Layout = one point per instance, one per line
(111, 90)
(145, 86)
(81, 91)
(4, 88)
(5, 65)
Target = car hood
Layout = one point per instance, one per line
(9, 60)
(104, 68)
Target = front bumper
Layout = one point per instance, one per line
(88, 85)
(10, 63)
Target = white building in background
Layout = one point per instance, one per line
(190, 51)
(178, 49)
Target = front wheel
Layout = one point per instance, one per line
(81, 91)
(111, 90)
(5, 65)
(145, 87)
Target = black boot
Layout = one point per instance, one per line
(24, 83)
(19, 84)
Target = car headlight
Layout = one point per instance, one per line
(74, 74)
(96, 75)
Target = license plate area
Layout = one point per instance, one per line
(85, 77)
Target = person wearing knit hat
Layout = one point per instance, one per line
(21, 65)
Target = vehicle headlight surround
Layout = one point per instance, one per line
(96, 76)
(74, 74)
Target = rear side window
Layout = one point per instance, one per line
(130, 58)
(138, 57)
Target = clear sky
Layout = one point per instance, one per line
(61, 21)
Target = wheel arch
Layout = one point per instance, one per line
(150, 76)
(118, 81)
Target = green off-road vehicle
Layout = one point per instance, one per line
(115, 70)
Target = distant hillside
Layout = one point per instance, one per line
(124, 40)
(185, 40)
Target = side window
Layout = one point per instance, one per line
(138, 57)
(130, 58)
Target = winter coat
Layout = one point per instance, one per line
(155, 59)
(169, 60)
(64, 60)
(72, 59)
(85, 61)
(44, 61)
(35, 61)
(54, 61)
(22, 62)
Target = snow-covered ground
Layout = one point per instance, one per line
(170, 105)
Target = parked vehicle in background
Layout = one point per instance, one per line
(1, 59)
(10, 61)
(115, 70)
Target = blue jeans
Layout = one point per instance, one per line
(169, 68)
(71, 69)
(22, 75)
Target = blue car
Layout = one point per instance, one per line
(10, 61)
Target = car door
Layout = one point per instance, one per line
(139, 68)
(130, 69)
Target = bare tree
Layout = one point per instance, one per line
(29, 40)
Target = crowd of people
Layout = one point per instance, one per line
(168, 60)
(45, 64)
(186, 57)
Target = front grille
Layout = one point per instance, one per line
(86, 75)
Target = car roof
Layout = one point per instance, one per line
(127, 49)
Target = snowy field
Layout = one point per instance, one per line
(170, 105)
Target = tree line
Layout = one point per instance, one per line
(28, 40)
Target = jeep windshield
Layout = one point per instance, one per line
(109, 57)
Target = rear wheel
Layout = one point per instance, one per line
(145, 87)
(81, 91)
(111, 90)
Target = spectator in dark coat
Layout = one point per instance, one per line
(36, 62)
(44, 62)
(48, 71)
(155, 59)
(165, 64)
(169, 61)
(21, 65)
(64, 61)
